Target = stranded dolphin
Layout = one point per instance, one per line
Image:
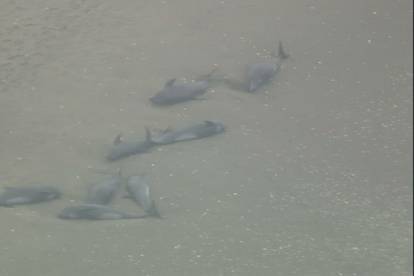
(95, 212)
(177, 92)
(28, 195)
(197, 131)
(124, 149)
(139, 191)
(259, 74)
(104, 191)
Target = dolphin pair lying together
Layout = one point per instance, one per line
(257, 75)
(201, 130)
(95, 206)
(102, 193)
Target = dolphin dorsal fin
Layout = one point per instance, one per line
(148, 136)
(281, 52)
(170, 82)
(168, 129)
(119, 172)
(118, 139)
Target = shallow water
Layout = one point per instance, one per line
(313, 176)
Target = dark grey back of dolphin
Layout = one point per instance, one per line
(104, 191)
(259, 74)
(28, 195)
(95, 212)
(175, 92)
(197, 131)
(139, 191)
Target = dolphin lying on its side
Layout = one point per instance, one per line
(103, 192)
(197, 131)
(28, 195)
(176, 92)
(124, 149)
(259, 74)
(95, 212)
(139, 191)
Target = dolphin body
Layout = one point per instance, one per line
(176, 92)
(197, 131)
(95, 212)
(259, 74)
(28, 195)
(103, 192)
(124, 149)
(139, 191)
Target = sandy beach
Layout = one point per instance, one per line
(313, 175)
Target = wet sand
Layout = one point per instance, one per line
(313, 176)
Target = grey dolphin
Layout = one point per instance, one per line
(124, 149)
(95, 212)
(176, 92)
(259, 74)
(28, 195)
(197, 131)
(139, 191)
(104, 191)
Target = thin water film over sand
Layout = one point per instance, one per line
(260, 160)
